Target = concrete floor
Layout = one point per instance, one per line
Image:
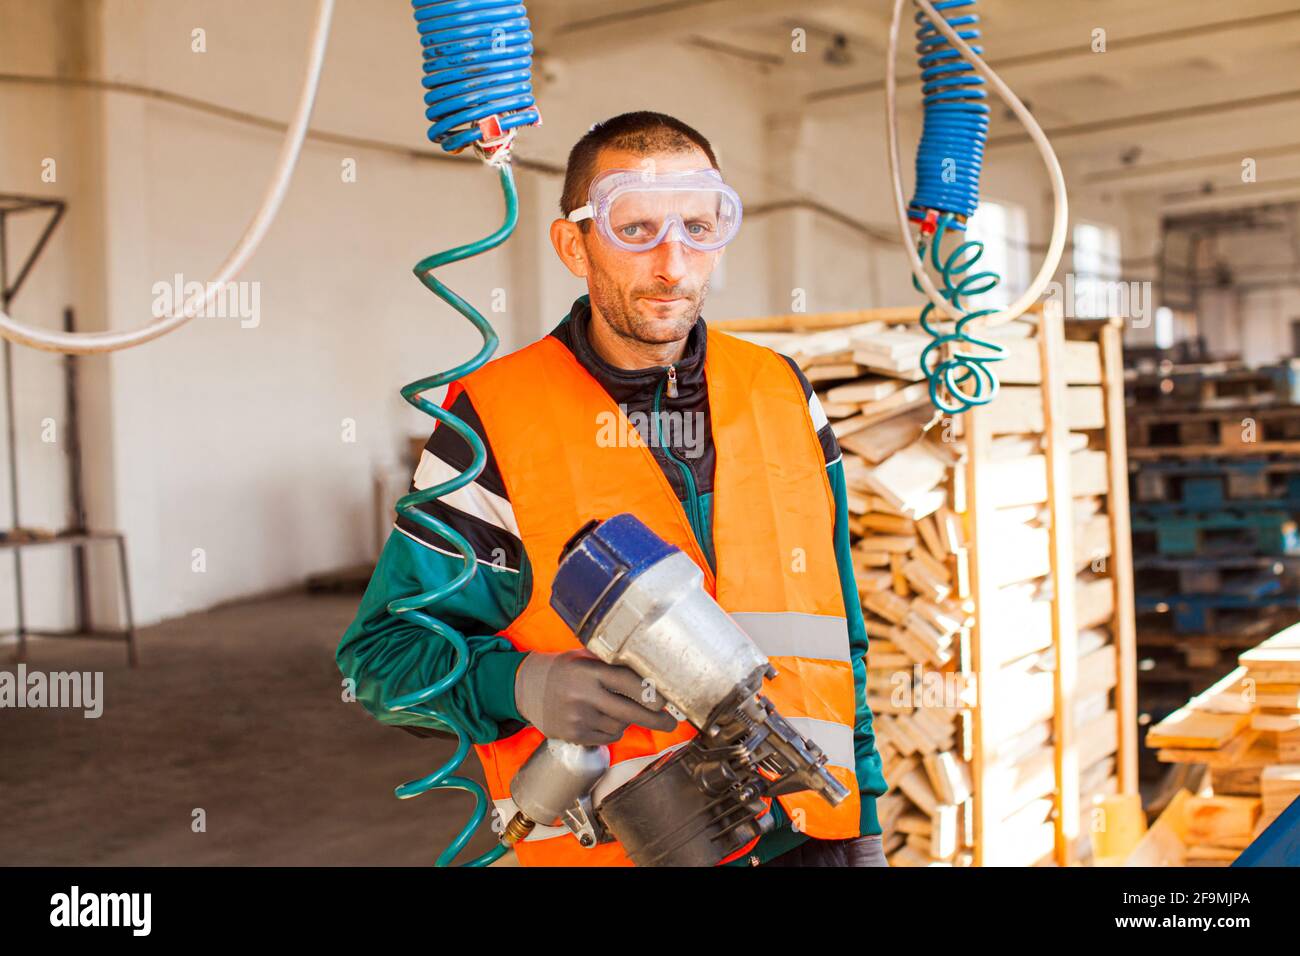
(238, 711)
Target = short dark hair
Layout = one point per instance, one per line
(642, 132)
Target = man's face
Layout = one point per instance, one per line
(653, 296)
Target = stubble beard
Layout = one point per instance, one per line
(618, 308)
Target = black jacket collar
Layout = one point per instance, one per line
(632, 386)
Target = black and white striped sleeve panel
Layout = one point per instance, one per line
(830, 447)
(480, 511)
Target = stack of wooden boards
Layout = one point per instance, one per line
(1246, 729)
(974, 772)
(1215, 453)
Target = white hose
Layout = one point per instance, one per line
(89, 343)
(1061, 217)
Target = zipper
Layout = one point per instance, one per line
(694, 511)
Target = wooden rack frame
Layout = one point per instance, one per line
(1103, 602)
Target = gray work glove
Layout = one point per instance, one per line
(577, 697)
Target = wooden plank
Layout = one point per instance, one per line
(922, 581)
(888, 605)
(1019, 408)
(1212, 819)
(1022, 365)
(907, 475)
(950, 530)
(1165, 843)
(937, 569)
(1008, 786)
(818, 321)
(873, 580)
(825, 371)
(877, 442)
(1051, 340)
(1278, 655)
(1212, 451)
(905, 399)
(1092, 543)
(945, 832)
(1022, 481)
(1016, 552)
(1188, 729)
(887, 542)
(980, 512)
(1094, 602)
(897, 578)
(864, 391)
(811, 321)
(1232, 754)
(1124, 625)
(889, 524)
(929, 532)
(916, 786)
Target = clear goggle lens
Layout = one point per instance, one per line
(704, 219)
(637, 211)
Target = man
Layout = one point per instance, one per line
(732, 459)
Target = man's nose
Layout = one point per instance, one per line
(671, 260)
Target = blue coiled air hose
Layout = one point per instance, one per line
(949, 159)
(478, 61)
(477, 64)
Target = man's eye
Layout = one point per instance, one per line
(700, 228)
(631, 231)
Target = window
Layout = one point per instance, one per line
(1096, 268)
(1001, 227)
(1164, 327)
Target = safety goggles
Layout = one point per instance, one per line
(636, 209)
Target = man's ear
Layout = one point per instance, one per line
(566, 237)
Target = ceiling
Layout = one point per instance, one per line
(1184, 91)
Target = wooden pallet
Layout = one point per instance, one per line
(1247, 430)
(1207, 574)
(1209, 654)
(1221, 533)
(1209, 484)
(1214, 384)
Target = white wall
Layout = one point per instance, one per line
(230, 439)
(37, 125)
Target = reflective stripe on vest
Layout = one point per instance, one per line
(567, 454)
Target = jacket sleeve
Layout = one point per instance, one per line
(871, 779)
(386, 656)
(867, 762)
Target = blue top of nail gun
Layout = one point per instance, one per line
(596, 567)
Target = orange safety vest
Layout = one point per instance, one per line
(547, 420)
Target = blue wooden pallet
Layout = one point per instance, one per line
(1214, 482)
(1197, 612)
(1233, 575)
(1239, 531)
(1160, 509)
